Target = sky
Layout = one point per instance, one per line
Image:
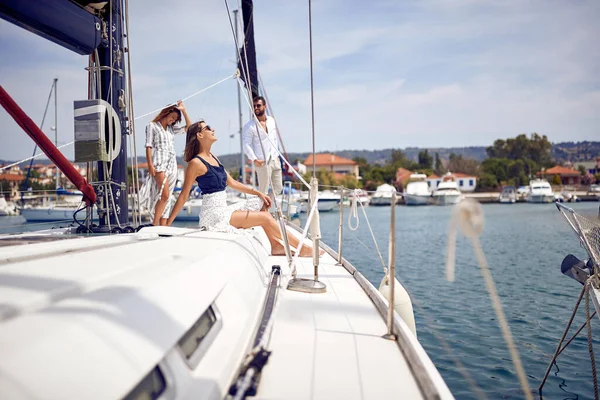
(387, 73)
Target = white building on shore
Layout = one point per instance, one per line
(466, 183)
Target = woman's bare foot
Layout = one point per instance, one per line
(308, 251)
(277, 249)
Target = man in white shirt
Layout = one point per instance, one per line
(266, 163)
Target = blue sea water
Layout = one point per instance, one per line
(524, 245)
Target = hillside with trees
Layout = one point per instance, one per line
(507, 161)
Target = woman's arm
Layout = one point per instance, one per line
(151, 170)
(240, 187)
(193, 170)
(181, 107)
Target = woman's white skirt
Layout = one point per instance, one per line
(215, 214)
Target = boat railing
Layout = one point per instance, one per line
(588, 231)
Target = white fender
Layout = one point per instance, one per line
(402, 303)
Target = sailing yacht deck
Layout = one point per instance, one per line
(330, 345)
(113, 316)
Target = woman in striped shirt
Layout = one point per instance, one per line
(162, 160)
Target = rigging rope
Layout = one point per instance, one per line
(235, 75)
(468, 217)
(31, 158)
(135, 206)
(354, 214)
(300, 178)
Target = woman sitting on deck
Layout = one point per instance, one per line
(215, 214)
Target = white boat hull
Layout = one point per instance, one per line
(416, 199)
(54, 214)
(507, 200)
(448, 199)
(540, 198)
(381, 201)
(327, 204)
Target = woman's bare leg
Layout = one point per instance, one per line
(248, 219)
(162, 201)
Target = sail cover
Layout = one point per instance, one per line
(247, 60)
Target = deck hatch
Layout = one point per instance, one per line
(198, 338)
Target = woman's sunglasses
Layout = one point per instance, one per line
(205, 127)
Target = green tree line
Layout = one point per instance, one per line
(512, 161)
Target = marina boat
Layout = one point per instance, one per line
(328, 201)
(508, 195)
(568, 194)
(540, 191)
(417, 191)
(59, 207)
(447, 192)
(361, 197)
(53, 213)
(383, 195)
(92, 312)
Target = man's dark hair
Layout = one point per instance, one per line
(257, 98)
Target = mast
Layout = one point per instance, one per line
(111, 71)
(239, 97)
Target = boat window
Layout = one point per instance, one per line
(150, 388)
(196, 340)
(461, 182)
(471, 182)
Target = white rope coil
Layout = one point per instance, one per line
(468, 217)
(353, 214)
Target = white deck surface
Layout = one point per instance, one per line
(330, 346)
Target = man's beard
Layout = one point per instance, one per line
(260, 113)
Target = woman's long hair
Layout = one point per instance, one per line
(192, 144)
(166, 111)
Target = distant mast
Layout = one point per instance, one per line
(239, 96)
(55, 129)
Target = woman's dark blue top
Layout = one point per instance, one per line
(214, 180)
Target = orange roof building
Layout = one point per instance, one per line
(567, 176)
(402, 176)
(12, 177)
(333, 163)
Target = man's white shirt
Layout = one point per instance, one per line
(250, 137)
